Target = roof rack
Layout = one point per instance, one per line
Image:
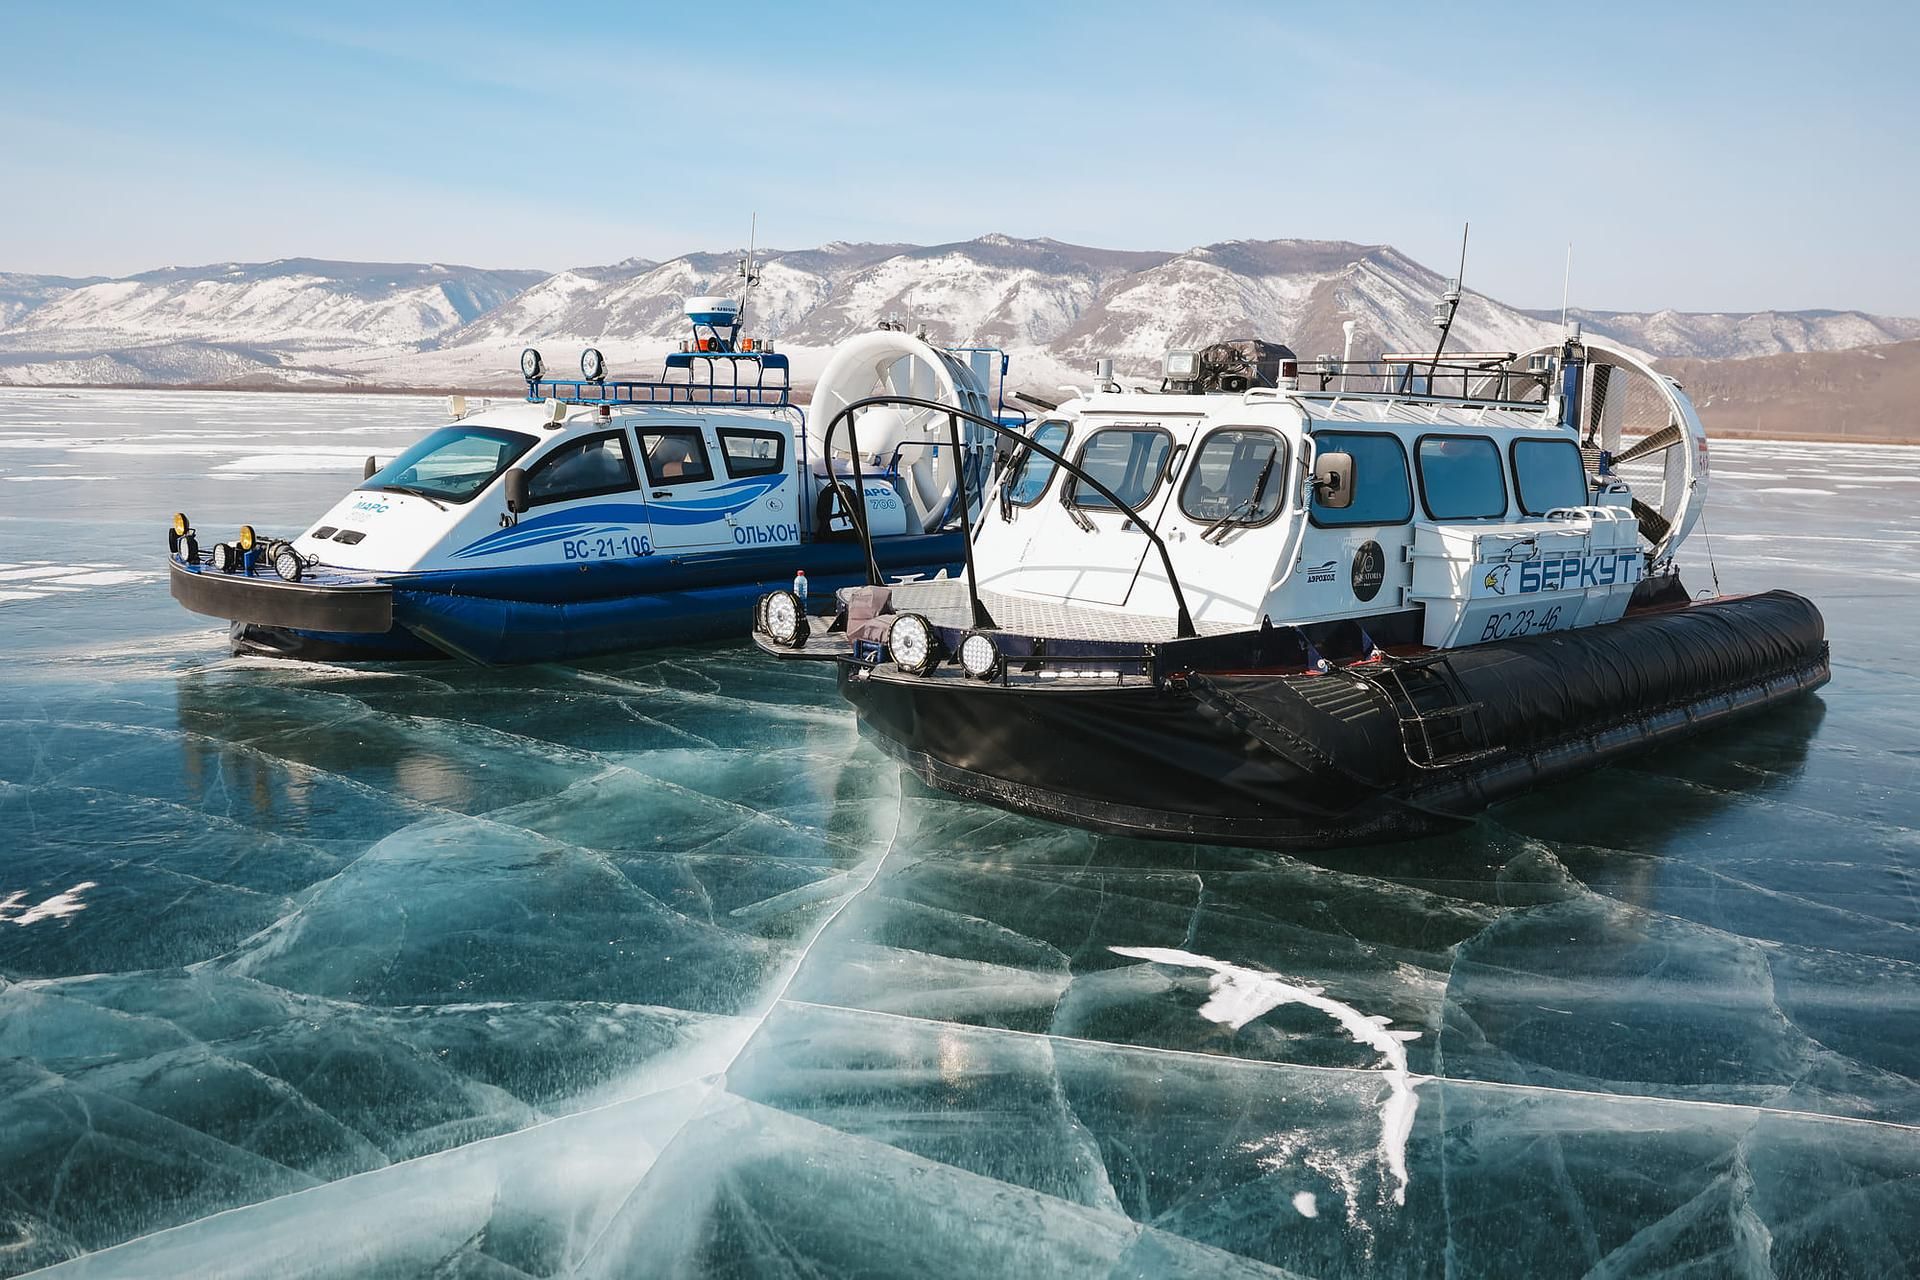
(728, 384)
(1471, 377)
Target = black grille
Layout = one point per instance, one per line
(348, 536)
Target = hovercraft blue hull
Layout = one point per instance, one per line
(547, 614)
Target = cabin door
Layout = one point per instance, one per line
(1228, 528)
(686, 502)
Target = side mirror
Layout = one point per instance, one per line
(1333, 480)
(516, 489)
(372, 465)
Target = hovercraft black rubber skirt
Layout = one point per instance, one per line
(1372, 752)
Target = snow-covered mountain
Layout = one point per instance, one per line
(20, 294)
(225, 322)
(1723, 335)
(1056, 306)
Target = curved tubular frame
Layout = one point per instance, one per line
(1184, 628)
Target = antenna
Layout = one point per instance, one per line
(1451, 300)
(1566, 284)
(748, 276)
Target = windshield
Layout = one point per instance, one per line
(453, 463)
(1035, 471)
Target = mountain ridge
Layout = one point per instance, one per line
(1056, 306)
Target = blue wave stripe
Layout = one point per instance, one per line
(621, 517)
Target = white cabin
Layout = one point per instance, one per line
(1481, 514)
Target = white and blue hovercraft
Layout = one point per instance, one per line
(1296, 610)
(601, 514)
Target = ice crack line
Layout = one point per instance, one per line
(760, 1022)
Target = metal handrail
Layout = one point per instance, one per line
(1495, 374)
(579, 391)
(1184, 628)
(662, 390)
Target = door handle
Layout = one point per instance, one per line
(663, 493)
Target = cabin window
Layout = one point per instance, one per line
(753, 453)
(1239, 475)
(1035, 473)
(675, 455)
(453, 463)
(1547, 475)
(1128, 460)
(583, 468)
(1460, 478)
(1382, 494)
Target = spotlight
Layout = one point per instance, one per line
(531, 365)
(287, 562)
(225, 558)
(593, 366)
(786, 619)
(979, 656)
(247, 538)
(912, 645)
(177, 530)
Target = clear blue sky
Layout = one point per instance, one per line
(1699, 155)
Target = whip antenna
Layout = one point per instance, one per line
(748, 276)
(1451, 300)
(1566, 283)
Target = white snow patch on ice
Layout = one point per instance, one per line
(105, 578)
(61, 906)
(309, 460)
(1241, 995)
(1812, 493)
(1304, 1202)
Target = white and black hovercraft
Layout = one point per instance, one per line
(602, 514)
(1262, 609)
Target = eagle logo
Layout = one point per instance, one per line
(1496, 579)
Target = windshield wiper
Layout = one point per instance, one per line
(1247, 508)
(407, 488)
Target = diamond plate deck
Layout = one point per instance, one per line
(943, 602)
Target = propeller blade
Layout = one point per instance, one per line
(1602, 375)
(1654, 527)
(1663, 439)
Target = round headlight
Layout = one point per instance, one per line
(287, 562)
(189, 549)
(979, 656)
(247, 538)
(786, 619)
(181, 525)
(530, 365)
(911, 644)
(225, 558)
(593, 366)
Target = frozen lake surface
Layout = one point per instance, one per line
(650, 966)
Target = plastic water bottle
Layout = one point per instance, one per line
(800, 587)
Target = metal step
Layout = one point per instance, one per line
(1439, 727)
